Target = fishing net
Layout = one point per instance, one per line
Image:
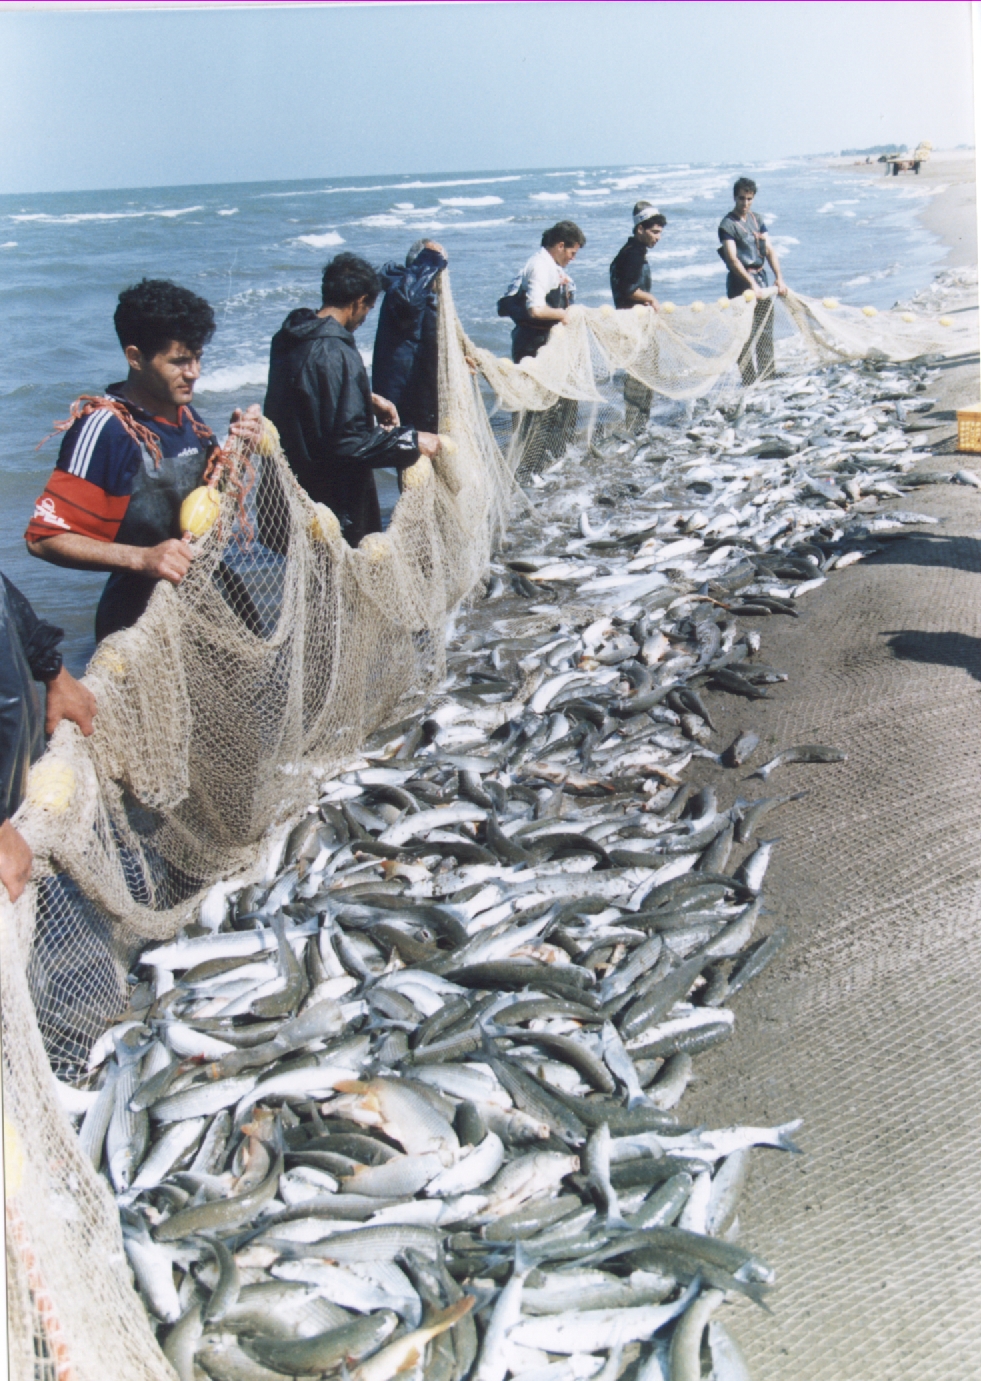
(236, 695)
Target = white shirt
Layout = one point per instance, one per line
(540, 276)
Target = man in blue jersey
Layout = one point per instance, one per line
(130, 458)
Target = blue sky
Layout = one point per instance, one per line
(151, 97)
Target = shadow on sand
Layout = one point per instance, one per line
(938, 649)
(931, 549)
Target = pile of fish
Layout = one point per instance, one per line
(412, 1103)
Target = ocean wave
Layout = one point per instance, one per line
(549, 196)
(591, 191)
(675, 253)
(11, 244)
(74, 217)
(690, 271)
(324, 241)
(232, 211)
(872, 277)
(458, 182)
(387, 221)
(830, 206)
(234, 377)
(470, 201)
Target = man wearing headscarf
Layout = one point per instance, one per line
(630, 283)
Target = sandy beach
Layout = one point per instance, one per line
(864, 1027)
(947, 181)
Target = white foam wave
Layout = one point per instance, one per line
(11, 244)
(592, 191)
(660, 254)
(232, 211)
(458, 182)
(234, 377)
(872, 277)
(690, 271)
(470, 201)
(324, 241)
(74, 217)
(386, 221)
(549, 196)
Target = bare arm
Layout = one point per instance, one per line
(69, 699)
(771, 255)
(645, 299)
(548, 314)
(168, 560)
(15, 860)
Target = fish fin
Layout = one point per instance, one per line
(639, 1100)
(446, 1318)
(351, 1086)
(411, 1359)
(783, 1137)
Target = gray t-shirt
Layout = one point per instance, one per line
(749, 237)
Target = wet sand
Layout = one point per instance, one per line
(866, 1024)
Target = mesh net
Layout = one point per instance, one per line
(236, 695)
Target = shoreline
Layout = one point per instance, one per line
(949, 207)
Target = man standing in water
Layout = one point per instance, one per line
(130, 458)
(537, 301)
(745, 249)
(321, 401)
(630, 283)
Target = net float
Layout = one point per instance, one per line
(200, 510)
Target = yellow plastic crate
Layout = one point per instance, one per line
(969, 429)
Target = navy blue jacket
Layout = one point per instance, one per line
(28, 653)
(405, 364)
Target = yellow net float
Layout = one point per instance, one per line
(830, 302)
(415, 476)
(376, 547)
(607, 310)
(722, 303)
(869, 311)
(907, 316)
(108, 659)
(749, 295)
(51, 785)
(269, 440)
(447, 444)
(199, 511)
(698, 306)
(946, 321)
(324, 525)
(667, 307)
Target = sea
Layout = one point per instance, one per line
(256, 251)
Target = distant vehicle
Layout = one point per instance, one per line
(897, 163)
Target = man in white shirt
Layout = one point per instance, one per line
(545, 289)
(537, 301)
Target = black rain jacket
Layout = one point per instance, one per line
(28, 653)
(319, 399)
(406, 359)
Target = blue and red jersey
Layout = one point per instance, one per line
(102, 465)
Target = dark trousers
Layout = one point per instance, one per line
(756, 361)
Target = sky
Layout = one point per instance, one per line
(150, 97)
